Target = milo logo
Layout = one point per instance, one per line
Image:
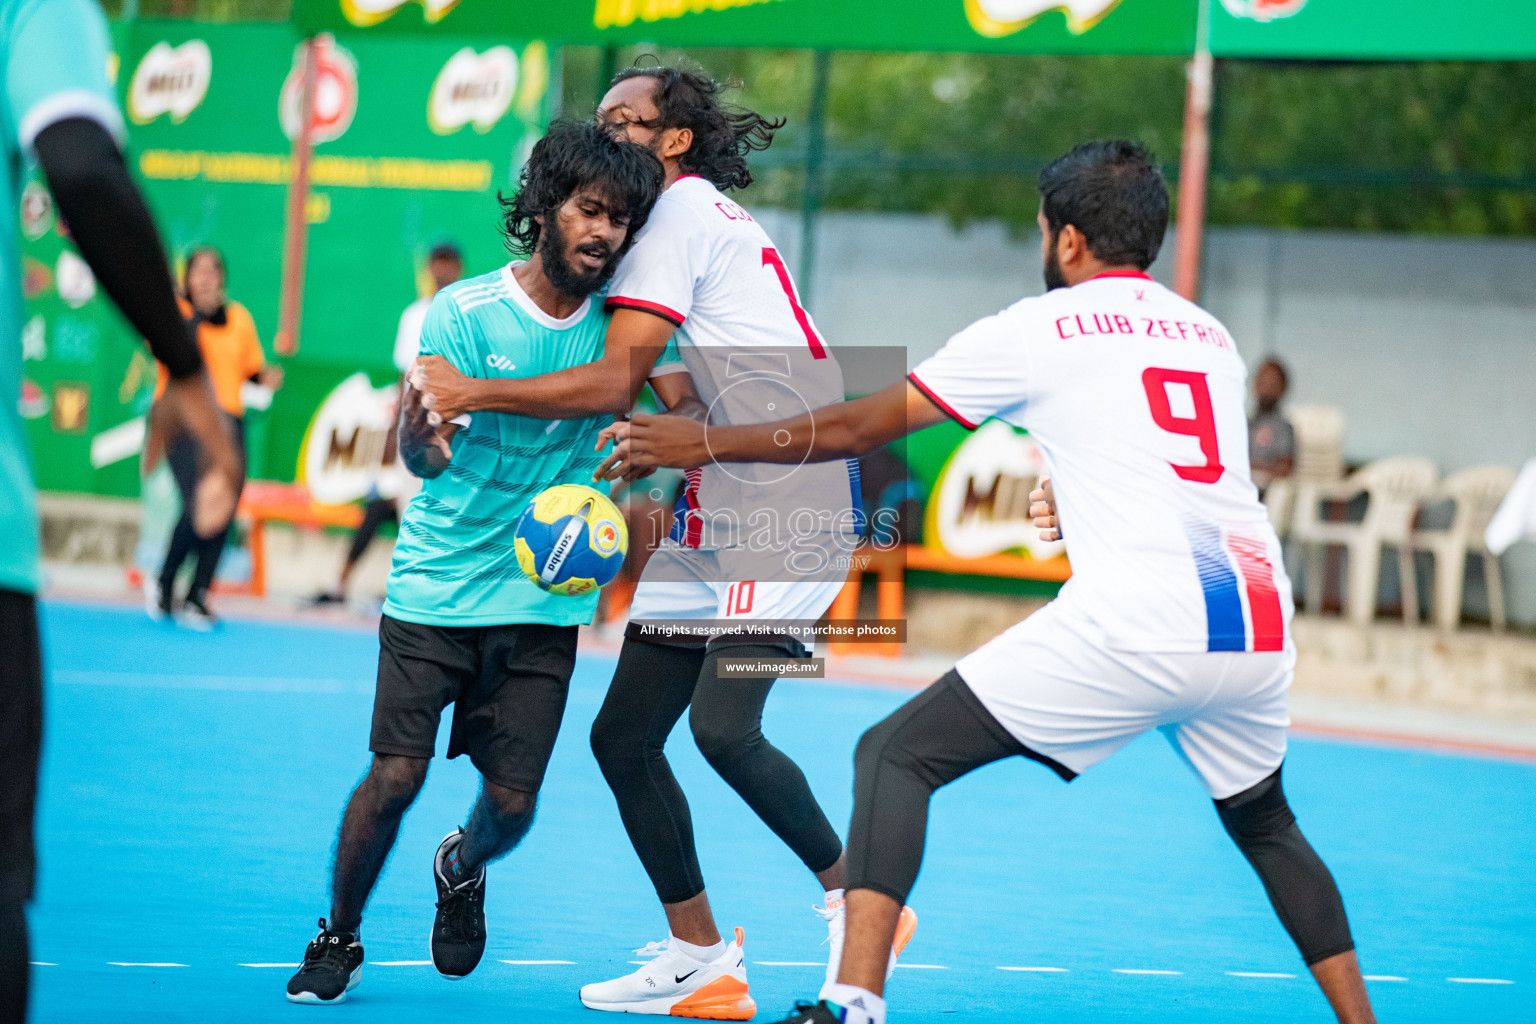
(473, 88)
(994, 18)
(1263, 10)
(170, 80)
(370, 12)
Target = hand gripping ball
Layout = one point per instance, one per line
(570, 540)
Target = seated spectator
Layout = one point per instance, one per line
(1271, 439)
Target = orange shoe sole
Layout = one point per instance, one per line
(906, 924)
(722, 999)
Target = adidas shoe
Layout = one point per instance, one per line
(835, 914)
(458, 934)
(813, 1013)
(675, 984)
(333, 965)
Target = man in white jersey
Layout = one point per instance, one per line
(752, 544)
(1177, 613)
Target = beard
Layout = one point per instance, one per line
(1053, 276)
(576, 281)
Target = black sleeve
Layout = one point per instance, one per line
(116, 234)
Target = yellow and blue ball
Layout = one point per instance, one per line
(571, 540)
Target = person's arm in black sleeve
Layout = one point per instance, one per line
(115, 233)
(112, 227)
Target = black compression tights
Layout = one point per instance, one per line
(652, 687)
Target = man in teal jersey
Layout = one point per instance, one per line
(56, 106)
(462, 624)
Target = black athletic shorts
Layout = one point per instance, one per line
(507, 685)
(21, 740)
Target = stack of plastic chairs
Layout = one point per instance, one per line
(1476, 494)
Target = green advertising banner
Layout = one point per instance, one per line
(417, 136)
(1375, 29)
(986, 26)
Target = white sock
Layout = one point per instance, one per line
(832, 898)
(860, 1006)
(703, 954)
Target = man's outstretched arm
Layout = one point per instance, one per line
(840, 431)
(610, 385)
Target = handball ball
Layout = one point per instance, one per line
(570, 540)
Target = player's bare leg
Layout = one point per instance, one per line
(871, 928)
(693, 921)
(1340, 979)
(834, 876)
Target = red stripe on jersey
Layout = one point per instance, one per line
(665, 312)
(936, 400)
(693, 534)
(1263, 598)
(1141, 274)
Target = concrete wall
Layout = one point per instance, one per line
(1427, 344)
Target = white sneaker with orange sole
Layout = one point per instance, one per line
(674, 984)
(835, 914)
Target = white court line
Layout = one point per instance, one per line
(41, 963)
(271, 965)
(1134, 970)
(789, 963)
(924, 967)
(1037, 970)
(1384, 977)
(1481, 981)
(531, 963)
(1258, 974)
(400, 963)
(115, 963)
(248, 684)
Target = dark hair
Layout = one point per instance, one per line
(1113, 192)
(571, 156)
(200, 252)
(723, 134)
(445, 251)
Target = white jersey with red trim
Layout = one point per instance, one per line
(703, 263)
(1137, 398)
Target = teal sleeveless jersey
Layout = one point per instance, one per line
(454, 563)
(55, 67)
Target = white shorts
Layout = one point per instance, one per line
(733, 583)
(1051, 683)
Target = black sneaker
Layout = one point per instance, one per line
(333, 965)
(813, 1013)
(458, 934)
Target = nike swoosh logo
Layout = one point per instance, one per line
(679, 979)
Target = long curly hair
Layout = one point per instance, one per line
(571, 156)
(723, 134)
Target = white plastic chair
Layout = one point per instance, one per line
(1476, 494)
(1394, 488)
(1319, 459)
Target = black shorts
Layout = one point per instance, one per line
(21, 740)
(507, 685)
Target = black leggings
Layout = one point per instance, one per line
(652, 687)
(376, 513)
(945, 732)
(184, 454)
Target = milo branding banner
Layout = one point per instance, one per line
(414, 136)
(1005, 26)
(1375, 29)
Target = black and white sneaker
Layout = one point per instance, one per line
(813, 1013)
(195, 615)
(458, 934)
(333, 965)
(157, 599)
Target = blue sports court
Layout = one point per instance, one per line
(192, 787)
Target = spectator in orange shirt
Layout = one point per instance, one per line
(226, 333)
